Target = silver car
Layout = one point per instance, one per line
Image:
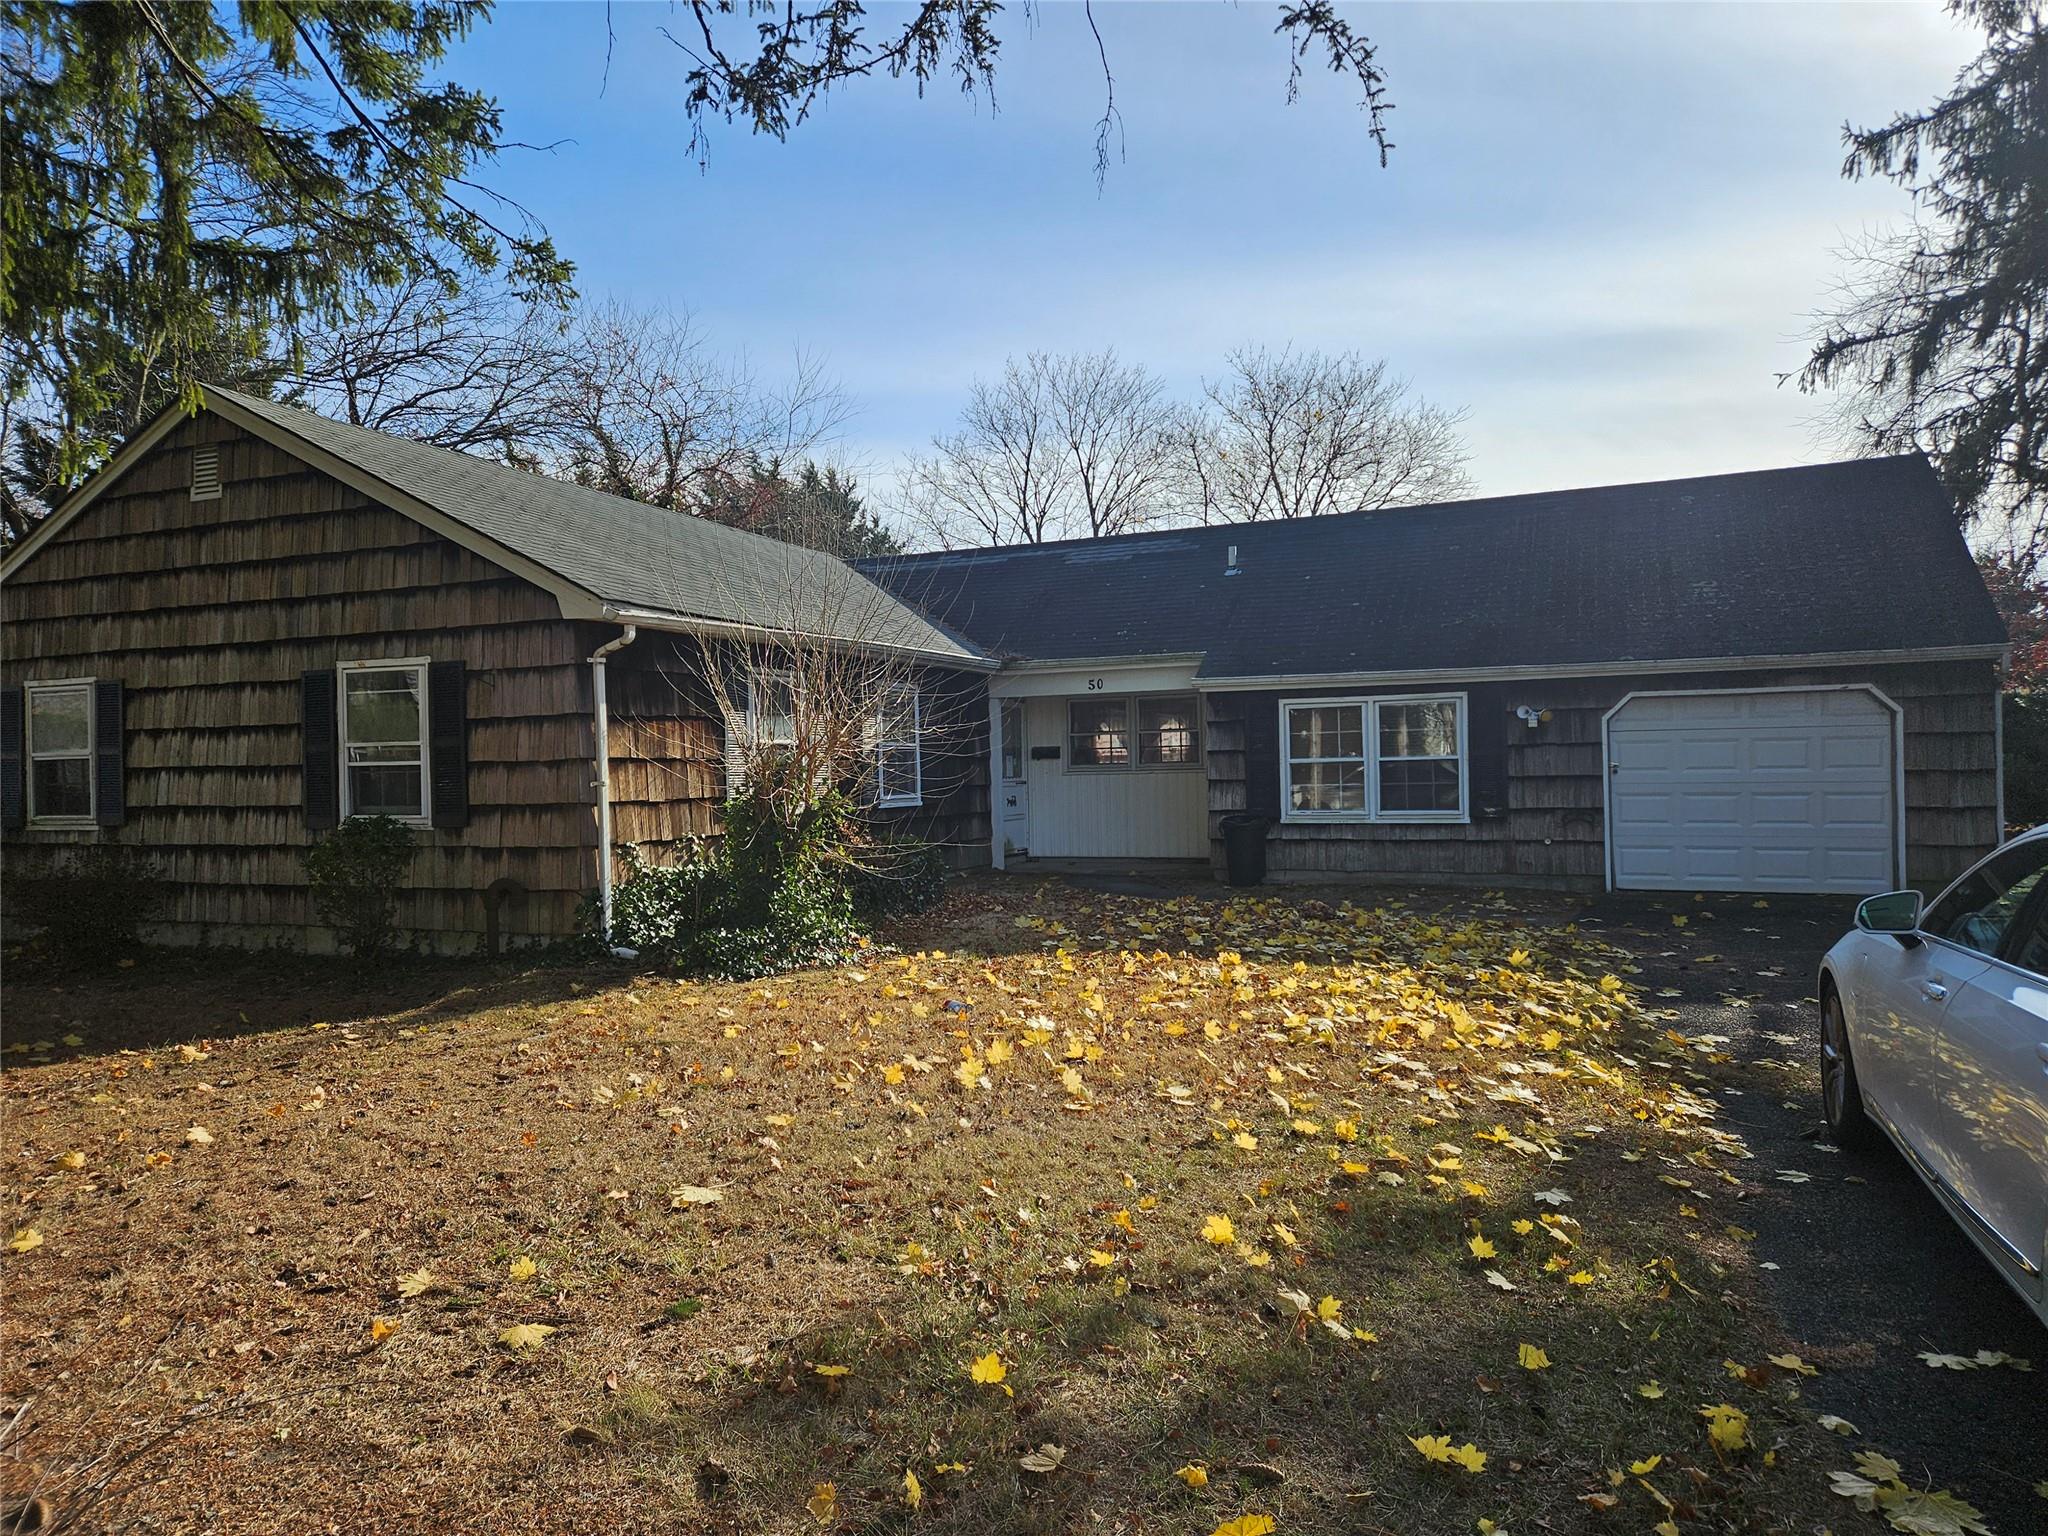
(1934, 1029)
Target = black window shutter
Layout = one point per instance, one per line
(448, 742)
(318, 729)
(109, 755)
(1263, 770)
(1486, 739)
(13, 802)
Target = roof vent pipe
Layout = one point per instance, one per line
(1230, 566)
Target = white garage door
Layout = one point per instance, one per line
(1771, 791)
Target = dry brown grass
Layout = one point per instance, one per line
(884, 1212)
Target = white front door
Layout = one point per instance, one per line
(1013, 795)
(1771, 790)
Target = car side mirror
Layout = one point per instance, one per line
(1896, 913)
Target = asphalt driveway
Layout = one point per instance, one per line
(1869, 1270)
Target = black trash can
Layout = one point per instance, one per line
(1244, 849)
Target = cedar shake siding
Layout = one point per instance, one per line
(668, 760)
(209, 613)
(1536, 797)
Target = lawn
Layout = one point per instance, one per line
(1059, 1212)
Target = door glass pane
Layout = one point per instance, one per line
(1975, 914)
(383, 705)
(62, 787)
(57, 720)
(1013, 740)
(1098, 733)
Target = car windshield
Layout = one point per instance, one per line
(1976, 914)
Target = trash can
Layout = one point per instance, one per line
(1244, 849)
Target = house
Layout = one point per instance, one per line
(256, 621)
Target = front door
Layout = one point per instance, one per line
(1013, 800)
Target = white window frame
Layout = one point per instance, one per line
(29, 754)
(1133, 705)
(418, 664)
(884, 744)
(787, 681)
(1369, 706)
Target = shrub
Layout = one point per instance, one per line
(894, 879)
(88, 903)
(2026, 757)
(355, 872)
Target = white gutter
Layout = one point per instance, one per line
(682, 624)
(603, 784)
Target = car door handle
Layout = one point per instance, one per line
(1933, 991)
(2041, 1051)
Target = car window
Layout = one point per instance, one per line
(1977, 912)
(2030, 953)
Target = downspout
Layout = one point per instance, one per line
(627, 635)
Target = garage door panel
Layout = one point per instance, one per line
(1767, 791)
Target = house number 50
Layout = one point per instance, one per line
(1095, 685)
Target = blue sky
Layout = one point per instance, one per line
(1602, 231)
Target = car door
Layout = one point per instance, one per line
(1919, 1082)
(1995, 1116)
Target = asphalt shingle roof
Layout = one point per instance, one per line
(1831, 558)
(624, 552)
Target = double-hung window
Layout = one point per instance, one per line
(60, 747)
(899, 755)
(1153, 731)
(384, 739)
(1387, 759)
(772, 711)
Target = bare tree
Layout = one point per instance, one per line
(648, 411)
(1300, 434)
(1060, 446)
(479, 371)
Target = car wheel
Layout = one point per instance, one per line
(1841, 1099)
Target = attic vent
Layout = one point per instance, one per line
(206, 474)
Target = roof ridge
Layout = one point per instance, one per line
(1324, 518)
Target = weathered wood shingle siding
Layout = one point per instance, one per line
(209, 611)
(1548, 785)
(955, 813)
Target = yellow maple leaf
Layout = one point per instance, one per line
(1218, 1230)
(1792, 1363)
(199, 1136)
(1532, 1358)
(381, 1328)
(1328, 1308)
(694, 1194)
(1245, 1525)
(823, 1503)
(24, 1239)
(1481, 1248)
(1469, 1456)
(522, 1268)
(1245, 1141)
(1727, 1426)
(1101, 1258)
(1433, 1447)
(913, 1490)
(525, 1335)
(1645, 1467)
(989, 1370)
(1651, 1390)
(71, 1160)
(418, 1283)
(832, 1372)
(1194, 1476)
(1578, 1277)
